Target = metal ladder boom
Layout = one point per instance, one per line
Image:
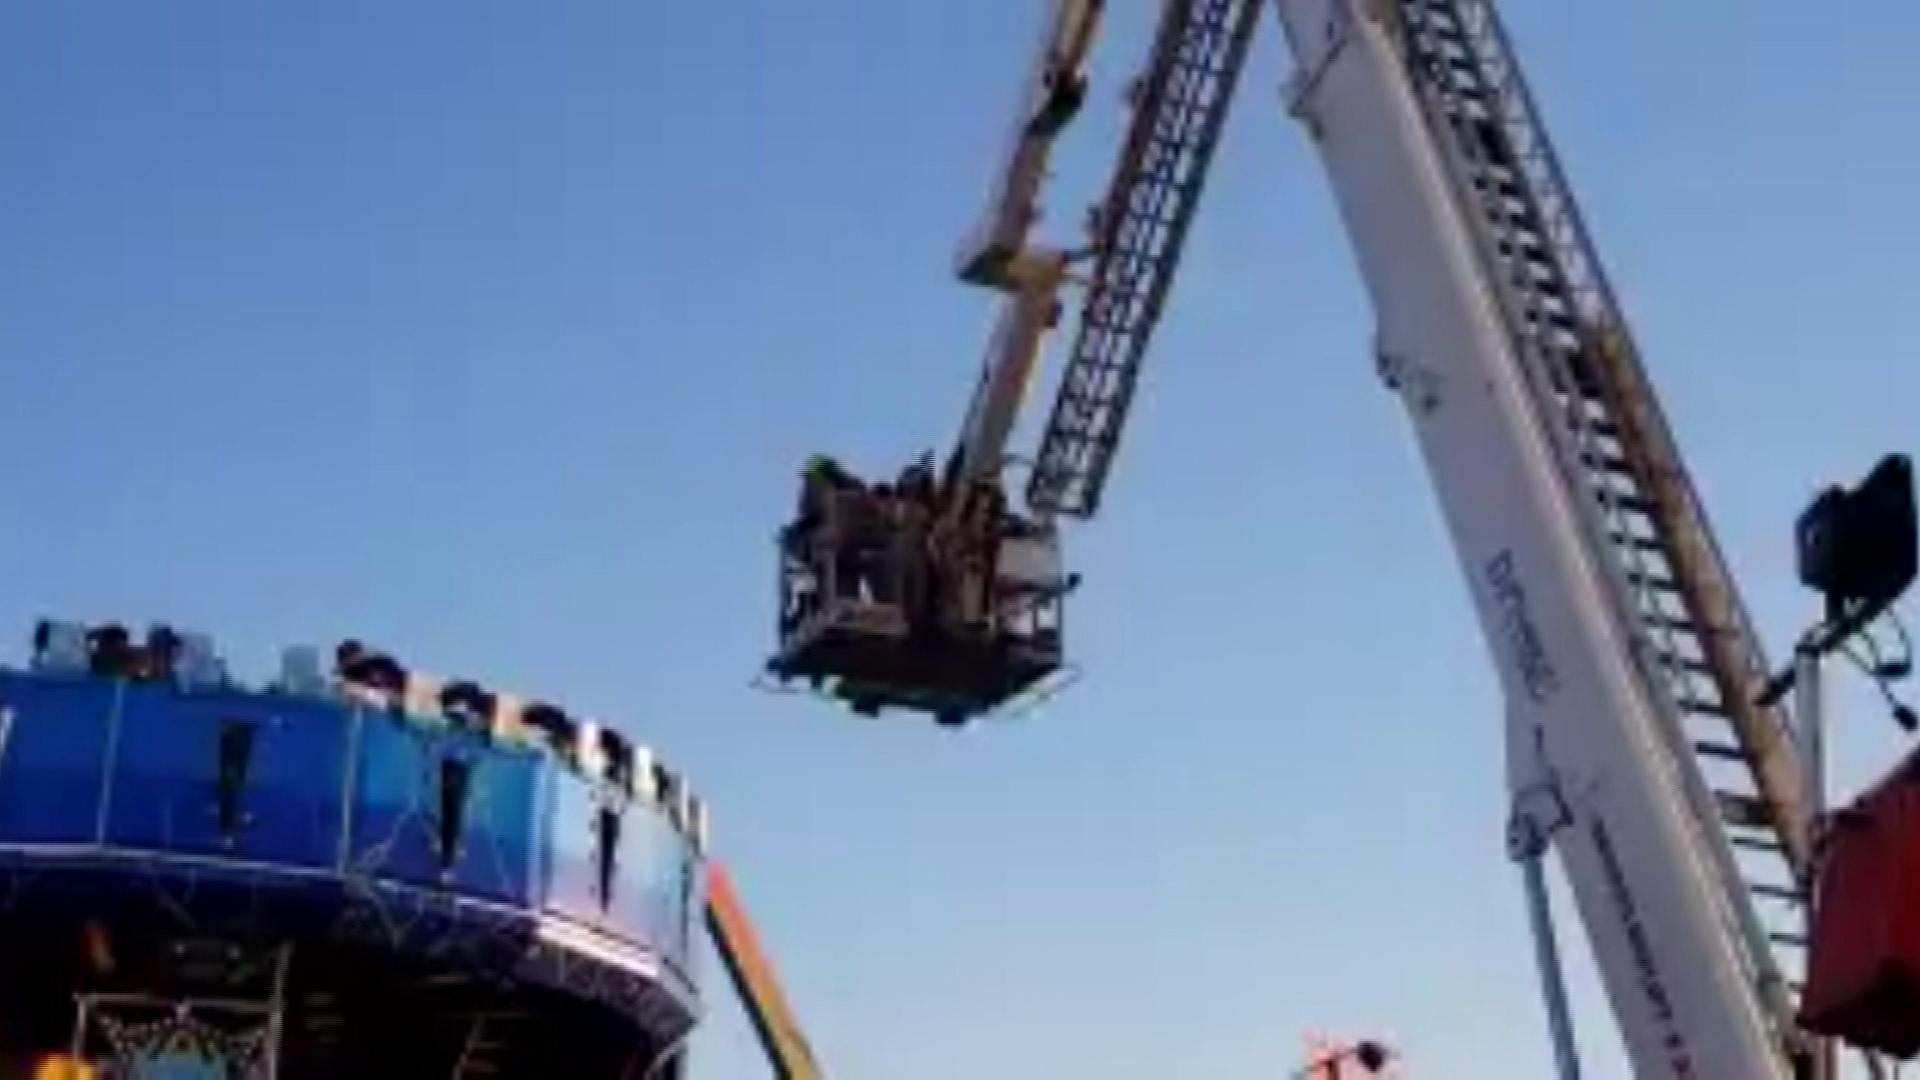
(1697, 647)
(1180, 105)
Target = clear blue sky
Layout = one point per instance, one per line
(495, 332)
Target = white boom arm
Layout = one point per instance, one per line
(1693, 985)
(998, 254)
(1013, 357)
(1055, 90)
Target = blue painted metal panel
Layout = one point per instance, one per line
(496, 844)
(301, 765)
(529, 837)
(658, 885)
(655, 888)
(51, 767)
(167, 768)
(394, 802)
(572, 887)
(402, 771)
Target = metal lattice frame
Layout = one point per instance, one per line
(144, 1035)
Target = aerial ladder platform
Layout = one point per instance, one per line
(1642, 745)
(989, 630)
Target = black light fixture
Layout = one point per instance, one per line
(1856, 546)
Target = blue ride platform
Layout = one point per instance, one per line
(312, 885)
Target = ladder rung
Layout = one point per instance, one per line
(1702, 706)
(1549, 300)
(1686, 664)
(1776, 892)
(1525, 246)
(1639, 504)
(1745, 811)
(1763, 844)
(1649, 581)
(1520, 215)
(1722, 751)
(1668, 622)
(1507, 188)
(1543, 279)
(1638, 543)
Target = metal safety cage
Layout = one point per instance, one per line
(845, 631)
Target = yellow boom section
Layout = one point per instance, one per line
(754, 980)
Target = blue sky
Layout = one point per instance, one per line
(496, 331)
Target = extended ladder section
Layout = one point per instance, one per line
(1179, 108)
(1697, 650)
